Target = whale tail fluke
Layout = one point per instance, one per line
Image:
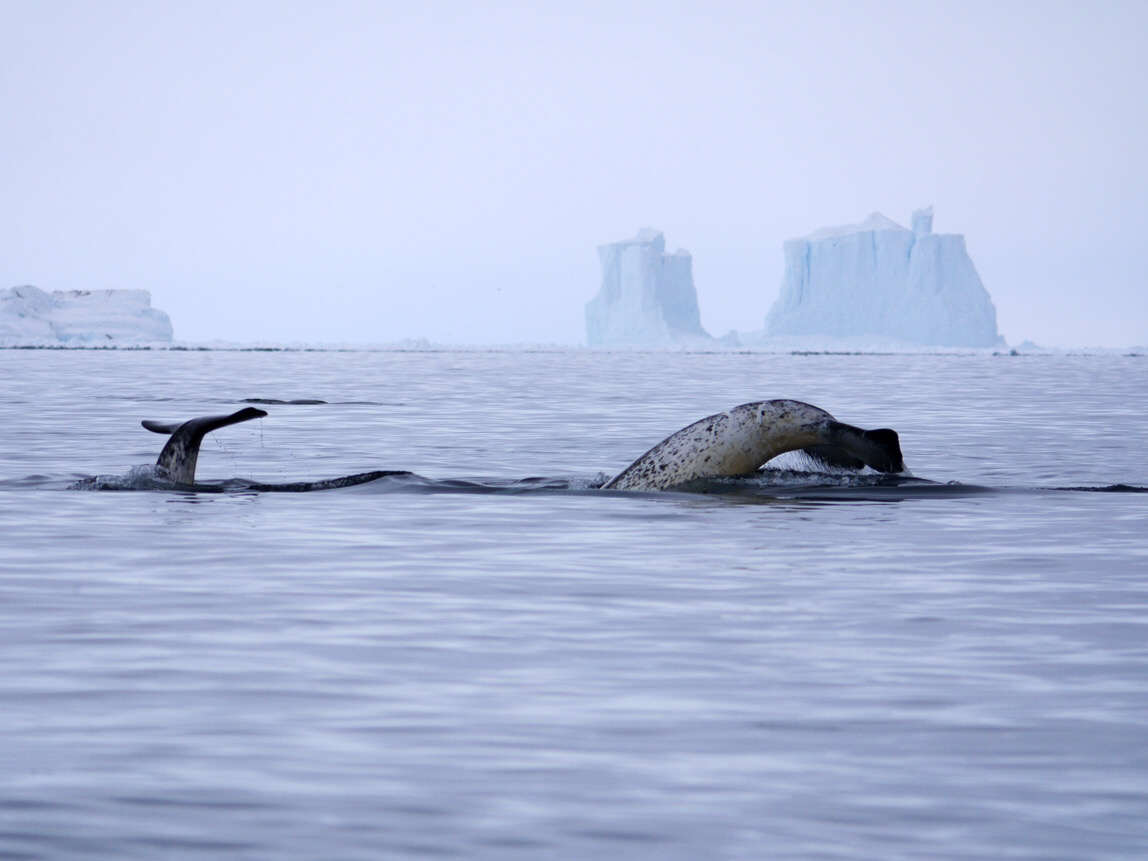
(879, 449)
(889, 445)
(179, 456)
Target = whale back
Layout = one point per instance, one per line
(179, 457)
(736, 442)
(742, 440)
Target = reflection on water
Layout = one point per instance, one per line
(493, 659)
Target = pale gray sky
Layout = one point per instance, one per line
(370, 172)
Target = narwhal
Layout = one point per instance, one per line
(178, 459)
(741, 440)
(179, 456)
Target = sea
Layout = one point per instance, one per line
(492, 658)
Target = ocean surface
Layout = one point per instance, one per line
(492, 659)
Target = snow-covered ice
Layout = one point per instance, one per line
(30, 316)
(647, 296)
(879, 279)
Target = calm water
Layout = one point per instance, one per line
(472, 666)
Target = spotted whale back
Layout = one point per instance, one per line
(741, 440)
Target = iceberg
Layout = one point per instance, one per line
(879, 279)
(30, 316)
(647, 296)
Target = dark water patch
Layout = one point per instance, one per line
(618, 835)
(133, 398)
(28, 482)
(165, 846)
(370, 403)
(35, 805)
(317, 402)
(278, 402)
(229, 802)
(515, 844)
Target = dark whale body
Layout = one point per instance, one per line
(178, 459)
(179, 456)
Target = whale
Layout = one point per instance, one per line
(179, 457)
(741, 440)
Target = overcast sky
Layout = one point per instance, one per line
(369, 172)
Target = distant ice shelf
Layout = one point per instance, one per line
(30, 316)
(878, 279)
(647, 298)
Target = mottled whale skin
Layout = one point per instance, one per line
(741, 440)
(179, 456)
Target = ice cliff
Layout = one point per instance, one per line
(30, 316)
(879, 279)
(647, 296)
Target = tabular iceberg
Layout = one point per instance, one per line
(879, 279)
(647, 296)
(30, 316)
